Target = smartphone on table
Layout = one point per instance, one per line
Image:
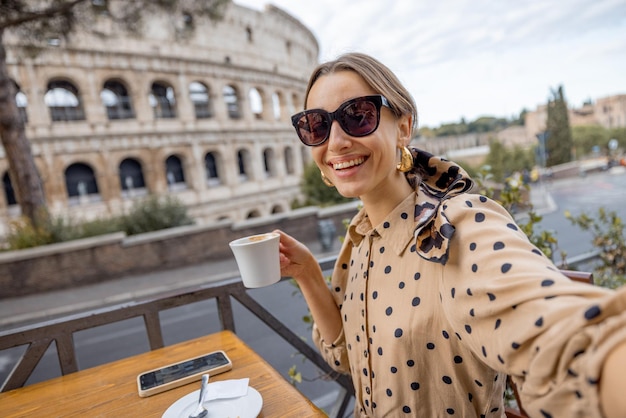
(177, 374)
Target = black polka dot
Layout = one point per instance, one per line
(445, 334)
(406, 409)
(479, 383)
(474, 268)
(393, 370)
(447, 230)
(483, 199)
(539, 322)
(472, 246)
(364, 371)
(536, 251)
(545, 414)
(415, 385)
(417, 276)
(515, 345)
(398, 332)
(458, 359)
(452, 292)
(344, 266)
(404, 215)
(484, 350)
(547, 282)
(389, 393)
(506, 267)
(386, 225)
(592, 312)
(471, 312)
(512, 226)
(387, 269)
(389, 311)
(401, 285)
(380, 351)
(382, 250)
(468, 329)
(469, 292)
(447, 380)
(416, 301)
(430, 346)
(337, 289)
(468, 203)
(374, 294)
(498, 322)
(498, 245)
(480, 217)
(450, 411)
(491, 296)
(410, 363)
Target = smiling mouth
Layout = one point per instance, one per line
(347, 164)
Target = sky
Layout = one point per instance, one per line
(472, 58)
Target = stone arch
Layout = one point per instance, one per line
(254, 213)
(131, 177)
(278, 208)
(244, 164)
(162, 99)
(255, 98)
(116, 99)
(63, 100)
(9, 192)
(81, 183)
(269, 162)
(213, 166)
(200, 97)
(175, 173)
(231, 98)
(290, 167)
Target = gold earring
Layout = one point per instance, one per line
(326, 181)
(406, 160)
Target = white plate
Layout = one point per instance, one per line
(248, 406)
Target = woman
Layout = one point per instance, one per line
(436, 294)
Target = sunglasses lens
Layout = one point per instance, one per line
(313, 128)
(359, 118)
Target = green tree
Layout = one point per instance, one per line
(587, 136)
(37, 22)
(559, 143)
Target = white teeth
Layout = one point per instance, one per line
(347, 164)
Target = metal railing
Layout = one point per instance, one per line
(38, 337)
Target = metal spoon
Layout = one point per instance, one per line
(201, 411)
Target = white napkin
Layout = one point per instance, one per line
(233, 388)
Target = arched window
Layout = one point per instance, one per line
(256, 103)
(277, 105)
(9, 193)
(80, 182)
(268, 162)
(131, 178)
(277, 209)
(162, 100)
(64, 102)
(289, 164)
(253, 214)
(231, 100)
(116, 100)
(243, 161)
(212, 170)
(175, 173)
(199, 95)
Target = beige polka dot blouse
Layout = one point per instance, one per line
(447, 296)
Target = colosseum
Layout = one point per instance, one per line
(112, 119)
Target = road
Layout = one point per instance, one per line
(122, 339)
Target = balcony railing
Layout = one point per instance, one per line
(38, 337)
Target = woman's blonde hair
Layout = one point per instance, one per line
(377, 75)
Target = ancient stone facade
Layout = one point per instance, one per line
(205, 118)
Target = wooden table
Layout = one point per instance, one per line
(110, 390)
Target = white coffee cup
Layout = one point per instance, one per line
(257, 259)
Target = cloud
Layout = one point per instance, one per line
(471, 58)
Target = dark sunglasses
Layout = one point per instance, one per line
(357, 117)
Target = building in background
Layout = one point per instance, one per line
(112, 119)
